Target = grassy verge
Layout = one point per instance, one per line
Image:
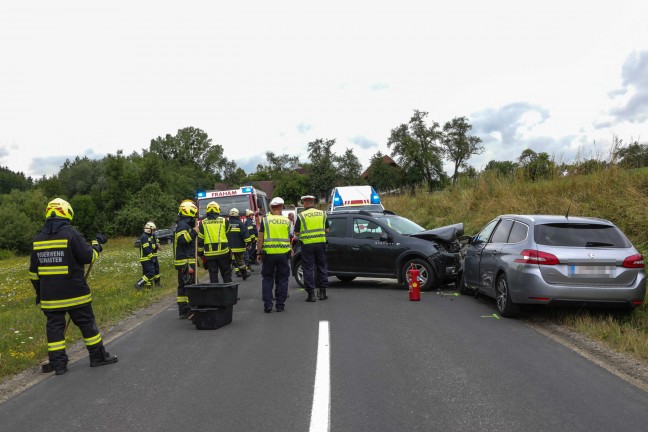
(620, 196)
(22, 324)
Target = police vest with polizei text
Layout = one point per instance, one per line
(276, 235)
(313, 224)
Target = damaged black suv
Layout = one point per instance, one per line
(385, 245)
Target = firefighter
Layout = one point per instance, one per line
(184, 238)
(56, 270)
(156, 246)
(250, 225)
(310, 228)
(273, 248)
(148, 251)
(238, 239)
(213, 247)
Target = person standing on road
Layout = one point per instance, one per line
(273, 248)
(148, 250)
(213, 247)
(250, 225)
(238, 239)
(56, 269)
(155, 245)
(184, 238)
(311, 228)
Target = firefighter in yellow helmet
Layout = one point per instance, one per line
(56, 269)
(184, 238)
(148, 257)
(238, 239)
(213, 247)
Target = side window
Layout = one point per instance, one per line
(366, 229)
(484, 234)
(502, 231)
(337, 227)
(518, 233)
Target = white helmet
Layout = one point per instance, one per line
(234, 212)
(149, 227)
(276, 201)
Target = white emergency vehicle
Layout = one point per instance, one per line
(246, 197)
(355, 198)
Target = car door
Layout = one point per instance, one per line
(338, 248)
(473, 254)
(370, 254)
(490, 256)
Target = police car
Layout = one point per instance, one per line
(355, 198)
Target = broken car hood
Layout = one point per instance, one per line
(447, 234)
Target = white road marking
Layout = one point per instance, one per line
(321, 412)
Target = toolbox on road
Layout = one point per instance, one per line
(212, 294)
(212, 318)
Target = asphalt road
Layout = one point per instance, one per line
(438, 364)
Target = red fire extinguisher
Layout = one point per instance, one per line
(414, 285)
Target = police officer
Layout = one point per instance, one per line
(148, 250)
(238, 238)
(56, 270)
(311, 228)
(250, 225)
(273, 247)
(213, 247)
(184, 238)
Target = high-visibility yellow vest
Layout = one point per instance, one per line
(214, 235)
(276, 234)
(313, 225)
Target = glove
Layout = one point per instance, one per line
(204, 261)
(96, 246)
(101, 239)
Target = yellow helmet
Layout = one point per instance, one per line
(213, 207)
(58, 207)
(149, 227)
(249, 212)
(234, 212)
(188, 208)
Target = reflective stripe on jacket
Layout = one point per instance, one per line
(146, 247)
(313, 224)
(238, 235)
(212, 237)
(276, 234)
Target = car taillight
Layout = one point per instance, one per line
(532, 256)
(634, 261)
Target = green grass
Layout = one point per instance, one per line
(22, 324)
(620, 196)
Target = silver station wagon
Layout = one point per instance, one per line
(558, 260)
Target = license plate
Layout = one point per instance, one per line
(591, 271)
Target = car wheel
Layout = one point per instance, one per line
(427, 278)
(346, 278)
(299, 274)
(463, 289)
(505, 305)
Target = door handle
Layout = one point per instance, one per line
(355, 248)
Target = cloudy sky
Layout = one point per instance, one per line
(88, 78)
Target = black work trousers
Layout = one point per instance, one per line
(275, 272)
(220, 263)
(83, 317)
(314, 261)
(186, 276)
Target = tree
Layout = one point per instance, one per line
(148, 204)
(322, 169)
(191, 146)
(503, 168)
(416, 148)
(24, 216)
(348, 168)
(79, 175)
(382, 176)
(536, 166)
(457, 145)
(291, 187)
(634, 155)
(10, 180)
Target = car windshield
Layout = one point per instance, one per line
(240, 202)
(580, 235)
(401, 225)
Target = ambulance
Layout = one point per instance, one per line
(355, 198)
(243, 198)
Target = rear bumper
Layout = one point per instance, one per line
(529, 288)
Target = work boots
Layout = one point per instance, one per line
(102, 358)
(140, 284)
(158, 283)
(321, 293)
(311, 297)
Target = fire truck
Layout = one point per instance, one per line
(243, 198)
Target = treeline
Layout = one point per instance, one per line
(119, 193)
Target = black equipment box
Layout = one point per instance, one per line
(212, 294)
(212, 318)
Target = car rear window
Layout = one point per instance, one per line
(580, 235)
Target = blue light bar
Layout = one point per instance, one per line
(201, 194)
(246, 189)
(375, 198)
(337, 199)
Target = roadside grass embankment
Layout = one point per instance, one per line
(620, 196)
(22, 324)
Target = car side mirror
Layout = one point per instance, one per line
(465, 239)
(384, 237)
